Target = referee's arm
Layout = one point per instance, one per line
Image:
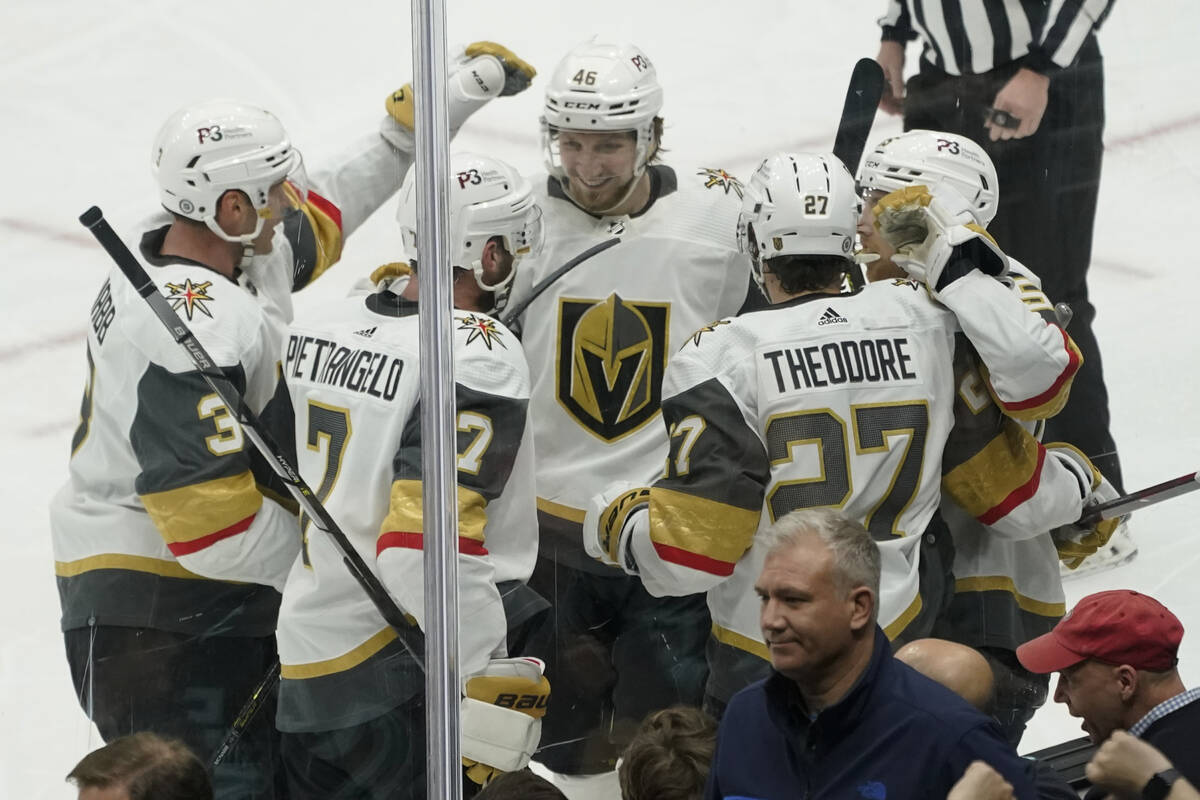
(1067, 27)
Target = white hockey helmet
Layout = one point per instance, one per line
(798, 204)
(205, 150)
(602, 88)
(487, 198)
(942, 161)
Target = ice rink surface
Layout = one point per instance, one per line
(84, 86)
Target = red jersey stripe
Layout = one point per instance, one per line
(416, 541)
(1018, 495)
(196, 545)
(686, 558)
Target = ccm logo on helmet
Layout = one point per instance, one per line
(470, 177)
(522, 701)
(583, 106)
(212, 133)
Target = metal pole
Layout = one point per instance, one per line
(438, 452)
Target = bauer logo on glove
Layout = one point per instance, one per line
(609, 523)
(502, 714)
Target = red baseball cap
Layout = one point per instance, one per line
(1116, 627)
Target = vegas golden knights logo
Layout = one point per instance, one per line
(611, 357)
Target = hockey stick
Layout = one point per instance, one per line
(858, 112)
(93, 220)
(858, 115)
(1145, 498)
(242, 721)
(511, 316)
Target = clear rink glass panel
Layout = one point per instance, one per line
(611, 390)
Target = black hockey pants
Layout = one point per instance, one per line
(184, 686)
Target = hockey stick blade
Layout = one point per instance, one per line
(1152, 495)
(858, 112)
(93, 220)
(509, 318)
(249, 710)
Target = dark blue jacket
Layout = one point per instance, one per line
(896, 735)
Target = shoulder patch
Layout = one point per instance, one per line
(709, 328)
(483, 329)
(909, 282)
(720, 179)
(191, 297)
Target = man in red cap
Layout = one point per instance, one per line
(1116, 654)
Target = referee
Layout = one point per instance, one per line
(1024, 78)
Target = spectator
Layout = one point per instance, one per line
(961, 669)
(840, 716)
(969, 674)
(1116, 655)
(981, 782)
(520, 785)
(669, 757)
(1129, 767)
(141, 766)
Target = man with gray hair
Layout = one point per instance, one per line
(839, 716)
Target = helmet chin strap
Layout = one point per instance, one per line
(246, 240)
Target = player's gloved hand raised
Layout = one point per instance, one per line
(609, 523)
(482, 71)
(935, 238)
(1073, 542)
(501, 716)
(518, 73)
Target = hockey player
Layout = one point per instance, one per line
(824, 400)
(598, 339)
(168, 553)
(1010, 490)
(352, 703)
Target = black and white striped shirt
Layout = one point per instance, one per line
(968, 37)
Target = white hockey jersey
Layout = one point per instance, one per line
(598, 339)
(840, 401)
(353, 377)
(164, 488)
(1003, 492)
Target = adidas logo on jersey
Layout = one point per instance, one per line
(830, 317)
(367, 332)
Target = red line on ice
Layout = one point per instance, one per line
(50, 343)
(46, 231)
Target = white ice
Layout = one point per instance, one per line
(84, 85)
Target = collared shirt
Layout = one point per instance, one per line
(1162, 709)
(970, 37)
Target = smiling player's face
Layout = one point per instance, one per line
(599, 167)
